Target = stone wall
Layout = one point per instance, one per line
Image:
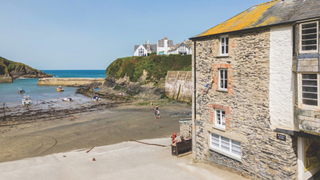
(178, 85)
(68, 81)
(186, 128)
(6, 79)
(263, 156)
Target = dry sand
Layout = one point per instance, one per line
(83, 131)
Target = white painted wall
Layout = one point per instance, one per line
(165, 48)
(281, 90)
(136, 53)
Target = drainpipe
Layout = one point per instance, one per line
(194, 136)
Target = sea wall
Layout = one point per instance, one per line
(68, 81)
(6, 79)
(178, 85)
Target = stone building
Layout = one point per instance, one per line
(256, 104)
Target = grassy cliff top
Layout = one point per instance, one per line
(7, 66)
(156, 66)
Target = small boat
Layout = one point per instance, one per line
(67, 99)
(96, 98)
(26, 101)
(21, 91)
(59, 89)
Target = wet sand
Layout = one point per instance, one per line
(85, 130)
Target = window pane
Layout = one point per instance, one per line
(310, 102)
(222, 51)
(227, 41)
(221, 74)
(309, 76)
(225, 74)
(310, 25)
(309, 89)
(225, 143)
(309, 82)
(222, 41)
(307, 48)
(309, 31)
(221, 84)
(227, 49)
(309, 36)
(310, 96)
(215, 140)
(226, 84)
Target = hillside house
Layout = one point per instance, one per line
(144, 49)
(163, 46)
(260, 114)
(181, 48)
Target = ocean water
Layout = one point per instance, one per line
(9, 91)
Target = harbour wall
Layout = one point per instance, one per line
(68, 81)
(6, 79)
(178, 85)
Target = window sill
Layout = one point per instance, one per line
(313, 108)
(222, 56)
(219, 128)
(225, 154)
(222, 90)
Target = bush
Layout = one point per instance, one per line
(116, 87)
(163, 96)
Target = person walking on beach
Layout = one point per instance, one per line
(151, 105)
(155, 114)
(158, 114)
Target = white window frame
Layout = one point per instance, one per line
(221, 126)
(231, 143)
(300, 92)
(224, 79)
(300, 38)
(225, 45)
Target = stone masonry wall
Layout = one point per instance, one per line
(246, 104)
(186, 128)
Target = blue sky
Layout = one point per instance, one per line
(84, 34)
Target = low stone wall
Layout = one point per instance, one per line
(186, 128)
(178, 85)
(6, 79)
(68, 81)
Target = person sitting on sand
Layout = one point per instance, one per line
(155, 114)
(151, 105)
(158, 114)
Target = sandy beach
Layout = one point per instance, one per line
(90, 124)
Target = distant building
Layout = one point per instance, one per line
(164, 46)
(144, 49)
(181, 48)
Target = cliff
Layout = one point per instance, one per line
(153, 67)
(12, 70)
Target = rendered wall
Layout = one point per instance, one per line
(178, 85)
(281, 97)
(68, 81)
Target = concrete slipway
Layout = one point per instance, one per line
(127, 160)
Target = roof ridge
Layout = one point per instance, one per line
(265, 3)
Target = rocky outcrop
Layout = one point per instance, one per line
(12, 70)
(150, 89)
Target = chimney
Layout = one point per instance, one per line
(165, 37)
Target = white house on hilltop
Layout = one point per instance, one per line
(144, 49)
(164, 46)
(181, 48)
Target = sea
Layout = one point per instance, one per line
(9, 91)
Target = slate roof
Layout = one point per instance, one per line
(186, 43)
(161, 43)
(153, 47)
(266, 14)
